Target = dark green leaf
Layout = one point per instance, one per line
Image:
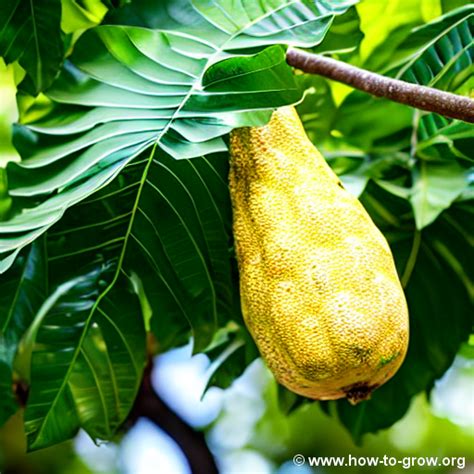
(30, 32)
(230, 352)
(372, 124)
(318, 110)
(5, 199)
(22, 292)
(454, 139)
(87, 361)
(8, 405)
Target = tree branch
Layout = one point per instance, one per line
(192, 443)
(421, 97)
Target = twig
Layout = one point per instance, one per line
(421, 97)
(192, 443)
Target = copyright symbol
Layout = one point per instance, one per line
(298, 459)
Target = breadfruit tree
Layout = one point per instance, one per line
(116, 224)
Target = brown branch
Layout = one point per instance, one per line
(421, 97)
(192, 443)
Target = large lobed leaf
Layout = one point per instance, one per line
(128, 88)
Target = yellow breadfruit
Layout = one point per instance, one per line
(319, 289)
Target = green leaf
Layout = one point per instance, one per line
(5, 199)
(231, 351)
(435, 54)
(21, 294)
(438, 54)
(435, 187)
(176, 244)
(87, 360)
(30, 32)
(289, 21)
(454, 139)
(80, 15)
(372, 124)
(8, 405)
(178, 248)
(344, 36)
(448, 5)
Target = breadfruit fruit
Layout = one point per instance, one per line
(319, 289)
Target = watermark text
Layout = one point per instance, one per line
(406, 462)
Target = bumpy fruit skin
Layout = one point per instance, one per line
(319, 289)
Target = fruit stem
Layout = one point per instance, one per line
(422, 97)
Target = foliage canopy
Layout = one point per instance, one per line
(118, 221)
